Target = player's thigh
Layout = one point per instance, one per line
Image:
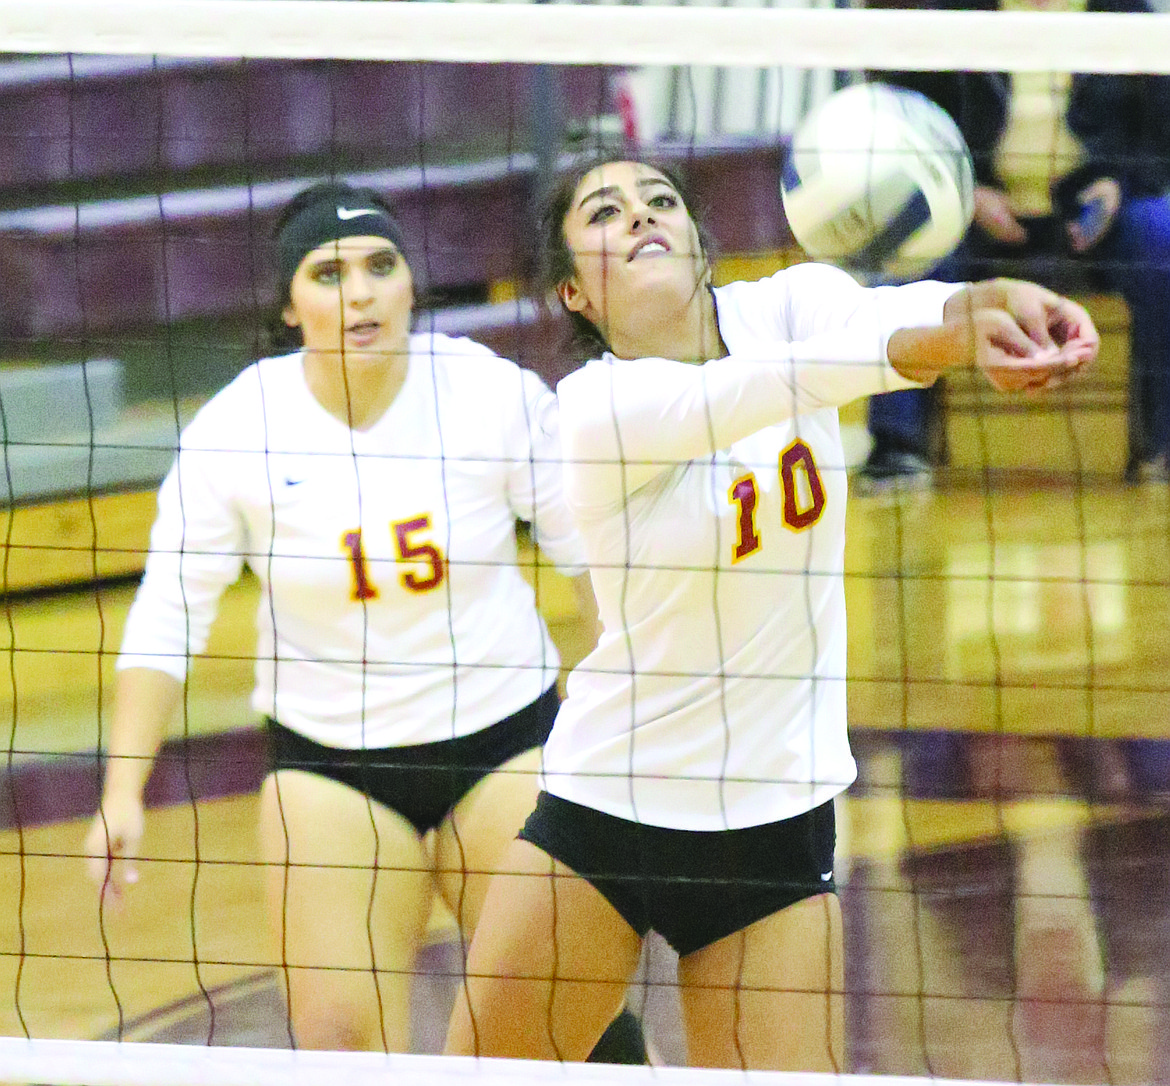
(348, 879)
(471, 842)
(770, 996)
(548, 967)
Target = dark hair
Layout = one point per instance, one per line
(557, 263)
(280, 336)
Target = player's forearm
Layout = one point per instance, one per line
(985, 294)
(645, 417)
(661, 412)
(922, 354)
(1031, 313)
(145, 702)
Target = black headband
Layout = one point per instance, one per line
(342, 214)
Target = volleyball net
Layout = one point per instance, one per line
(1002, 859)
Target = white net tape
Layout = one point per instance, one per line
(588, 34)
(94, 1063)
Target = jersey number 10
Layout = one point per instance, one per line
(802, 505)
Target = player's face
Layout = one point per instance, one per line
(352, 295)
(632, 239)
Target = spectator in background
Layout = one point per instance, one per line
(1068, 169)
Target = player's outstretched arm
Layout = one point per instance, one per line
(144, 704)
(1021, 335)
(1048, 318)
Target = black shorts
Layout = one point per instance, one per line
(423, 783)
(692, 887)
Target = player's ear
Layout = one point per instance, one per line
(572, 297)
(289, 316)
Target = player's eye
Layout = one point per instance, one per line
(327, 273)
(603, 214)
(383, 263)
(664, 200)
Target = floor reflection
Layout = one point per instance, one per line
(1010, 908)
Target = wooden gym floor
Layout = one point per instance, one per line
(1004, 857)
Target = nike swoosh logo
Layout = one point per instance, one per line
(826, 876)
(293, 482)
(354, 212)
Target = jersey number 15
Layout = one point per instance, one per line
(410, 549)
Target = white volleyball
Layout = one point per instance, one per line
(879, 180)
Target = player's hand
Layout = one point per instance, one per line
(111, 845)
(1022, 336)
(1047, 319)
(1011, 360)
(994, 216)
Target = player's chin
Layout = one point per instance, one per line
(656, 274)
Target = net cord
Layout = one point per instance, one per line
(114, 1063)
(594, 34)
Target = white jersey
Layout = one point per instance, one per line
(392, 611)
(712, 504)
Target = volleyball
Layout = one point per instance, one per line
(879, 180)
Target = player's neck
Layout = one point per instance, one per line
(356, 389)
(687, 335)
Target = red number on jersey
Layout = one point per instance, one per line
(743, 493)
(803, 506)
(362, 588)
(408, 551)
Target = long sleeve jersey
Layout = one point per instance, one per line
(711, 500)
(392, 611)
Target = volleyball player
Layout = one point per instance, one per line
(372, 480)
(690, 775)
